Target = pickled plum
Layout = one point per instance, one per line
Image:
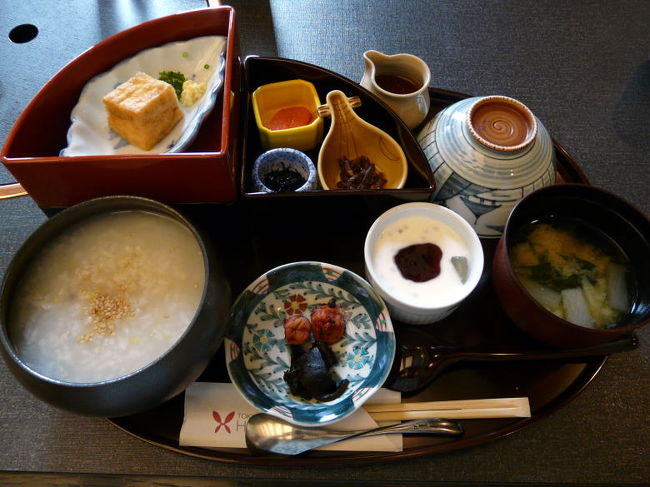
(328, 324)
(296, 329)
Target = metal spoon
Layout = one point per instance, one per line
(266, 433)
(418, 365)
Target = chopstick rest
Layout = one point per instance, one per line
(510, 407)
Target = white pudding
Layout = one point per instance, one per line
(447, 286)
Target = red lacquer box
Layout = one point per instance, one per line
(206, 172)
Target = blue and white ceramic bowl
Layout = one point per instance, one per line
(281, 159)
(479, 180)
(257, 355)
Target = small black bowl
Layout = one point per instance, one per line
(160, 380)
(600, 209)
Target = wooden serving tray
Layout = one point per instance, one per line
(258, 237)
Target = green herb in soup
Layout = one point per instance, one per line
(574, 271)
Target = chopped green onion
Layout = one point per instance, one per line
(174, 78)
(206, 66)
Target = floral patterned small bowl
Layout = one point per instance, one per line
(257, 355)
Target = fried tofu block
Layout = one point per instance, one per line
(143, 110)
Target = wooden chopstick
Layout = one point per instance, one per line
(510, 407)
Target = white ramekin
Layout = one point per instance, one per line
(439, 309)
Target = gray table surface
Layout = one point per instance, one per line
(582, 67)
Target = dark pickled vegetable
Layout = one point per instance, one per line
(359, 173)
(285, 179)
(309, 376)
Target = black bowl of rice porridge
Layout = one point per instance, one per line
(112, 307)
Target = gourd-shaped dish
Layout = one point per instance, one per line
(351, 137)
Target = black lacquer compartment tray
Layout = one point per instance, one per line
(257, 236)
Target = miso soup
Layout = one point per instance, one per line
(107, 297)
(575, 271)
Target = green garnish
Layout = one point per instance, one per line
(547, 275)
(185, 54)
(585, 265)
(206, 66)
(175, 79)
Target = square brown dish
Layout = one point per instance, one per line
(204, 173)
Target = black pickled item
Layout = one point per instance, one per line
(419, 262)
(285, 179)
(359, 173)
(309, 376)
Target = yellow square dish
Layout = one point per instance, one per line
(271, 98)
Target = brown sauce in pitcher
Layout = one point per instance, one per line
(399, 85)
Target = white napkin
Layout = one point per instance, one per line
(216, 416)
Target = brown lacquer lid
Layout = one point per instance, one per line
(502, 123)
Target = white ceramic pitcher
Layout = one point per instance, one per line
(401, 81)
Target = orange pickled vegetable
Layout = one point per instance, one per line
(290, 117)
